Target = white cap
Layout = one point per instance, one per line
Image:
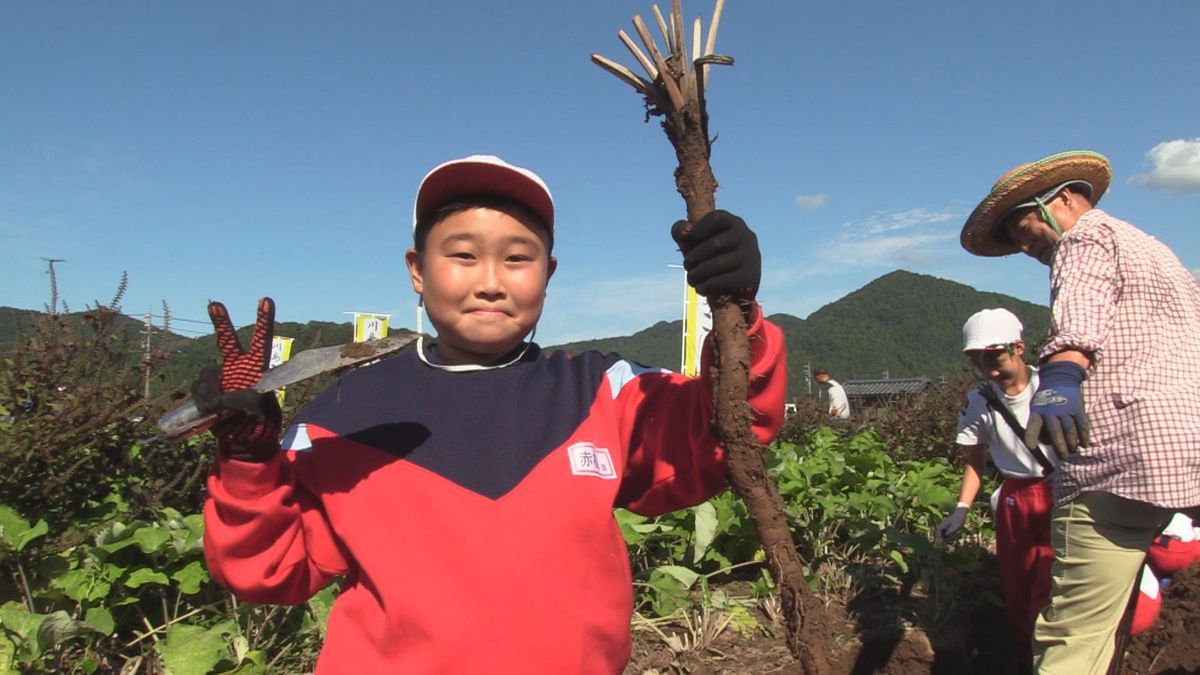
(483, 174)
(991, 329)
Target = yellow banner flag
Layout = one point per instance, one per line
(697, 322)
(281, 350)
(370, 326)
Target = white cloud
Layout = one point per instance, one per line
(811, 202)
(885, 240)
(1174, 166)
(908, 238)
(913, 249)
(889, 221)
(1196, 273)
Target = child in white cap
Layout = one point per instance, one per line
(992, 423)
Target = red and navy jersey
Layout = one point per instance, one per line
(470, 513)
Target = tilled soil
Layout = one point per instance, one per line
(882, 633)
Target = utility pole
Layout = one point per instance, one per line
(808, 378)
(53, 308)
(146, 357)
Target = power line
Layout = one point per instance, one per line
(173, 318)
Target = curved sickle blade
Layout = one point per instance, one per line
(187, 420)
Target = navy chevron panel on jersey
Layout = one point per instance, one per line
(483, 430)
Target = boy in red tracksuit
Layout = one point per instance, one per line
(992, 341)
(464, 490)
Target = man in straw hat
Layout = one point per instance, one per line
(1125, 338)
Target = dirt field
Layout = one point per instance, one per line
(881, 634)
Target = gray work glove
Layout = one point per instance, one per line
(953, 523)
(1057, 415)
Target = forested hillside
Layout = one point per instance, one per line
(902, 323)
(658, 345)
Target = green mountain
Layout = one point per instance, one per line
(659, 345)
(902, 323)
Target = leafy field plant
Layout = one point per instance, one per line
(76, 424)
(134, 595)
(138, 599)
(861, 516)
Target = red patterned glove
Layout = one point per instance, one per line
(248, 422)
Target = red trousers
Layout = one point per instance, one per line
(1024, 556)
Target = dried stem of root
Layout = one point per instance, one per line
(674, 88)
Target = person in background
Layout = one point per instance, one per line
(834, 394)
(1118, 396)
(992, 423)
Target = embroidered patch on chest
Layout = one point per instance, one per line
(588, 460)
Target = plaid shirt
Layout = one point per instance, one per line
(1122, 295)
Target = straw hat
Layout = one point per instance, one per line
(1019, 186)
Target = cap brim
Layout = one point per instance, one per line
(988, 347)
(980, 234)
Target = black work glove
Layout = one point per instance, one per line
(720, 254)
(248, 421)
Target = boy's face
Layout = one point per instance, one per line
(483, 277)
(1001, 366)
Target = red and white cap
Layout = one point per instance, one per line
(991, 329)
(483, 174)
(1176, 548)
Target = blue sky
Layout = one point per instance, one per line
(233, 150)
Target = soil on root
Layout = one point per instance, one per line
(913, 634)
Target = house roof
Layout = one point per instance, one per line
(888, 387)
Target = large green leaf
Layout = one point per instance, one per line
(18, 621)
(82, 585)
(670, 584)
(320, 605)
(683, 575)
(151, 538)
(8, 657)
(101, 620)
(195, 650)
(190, 577)
(191, 536)
(145, 575)
(626, 520)
(16, 532)
(705, 530)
